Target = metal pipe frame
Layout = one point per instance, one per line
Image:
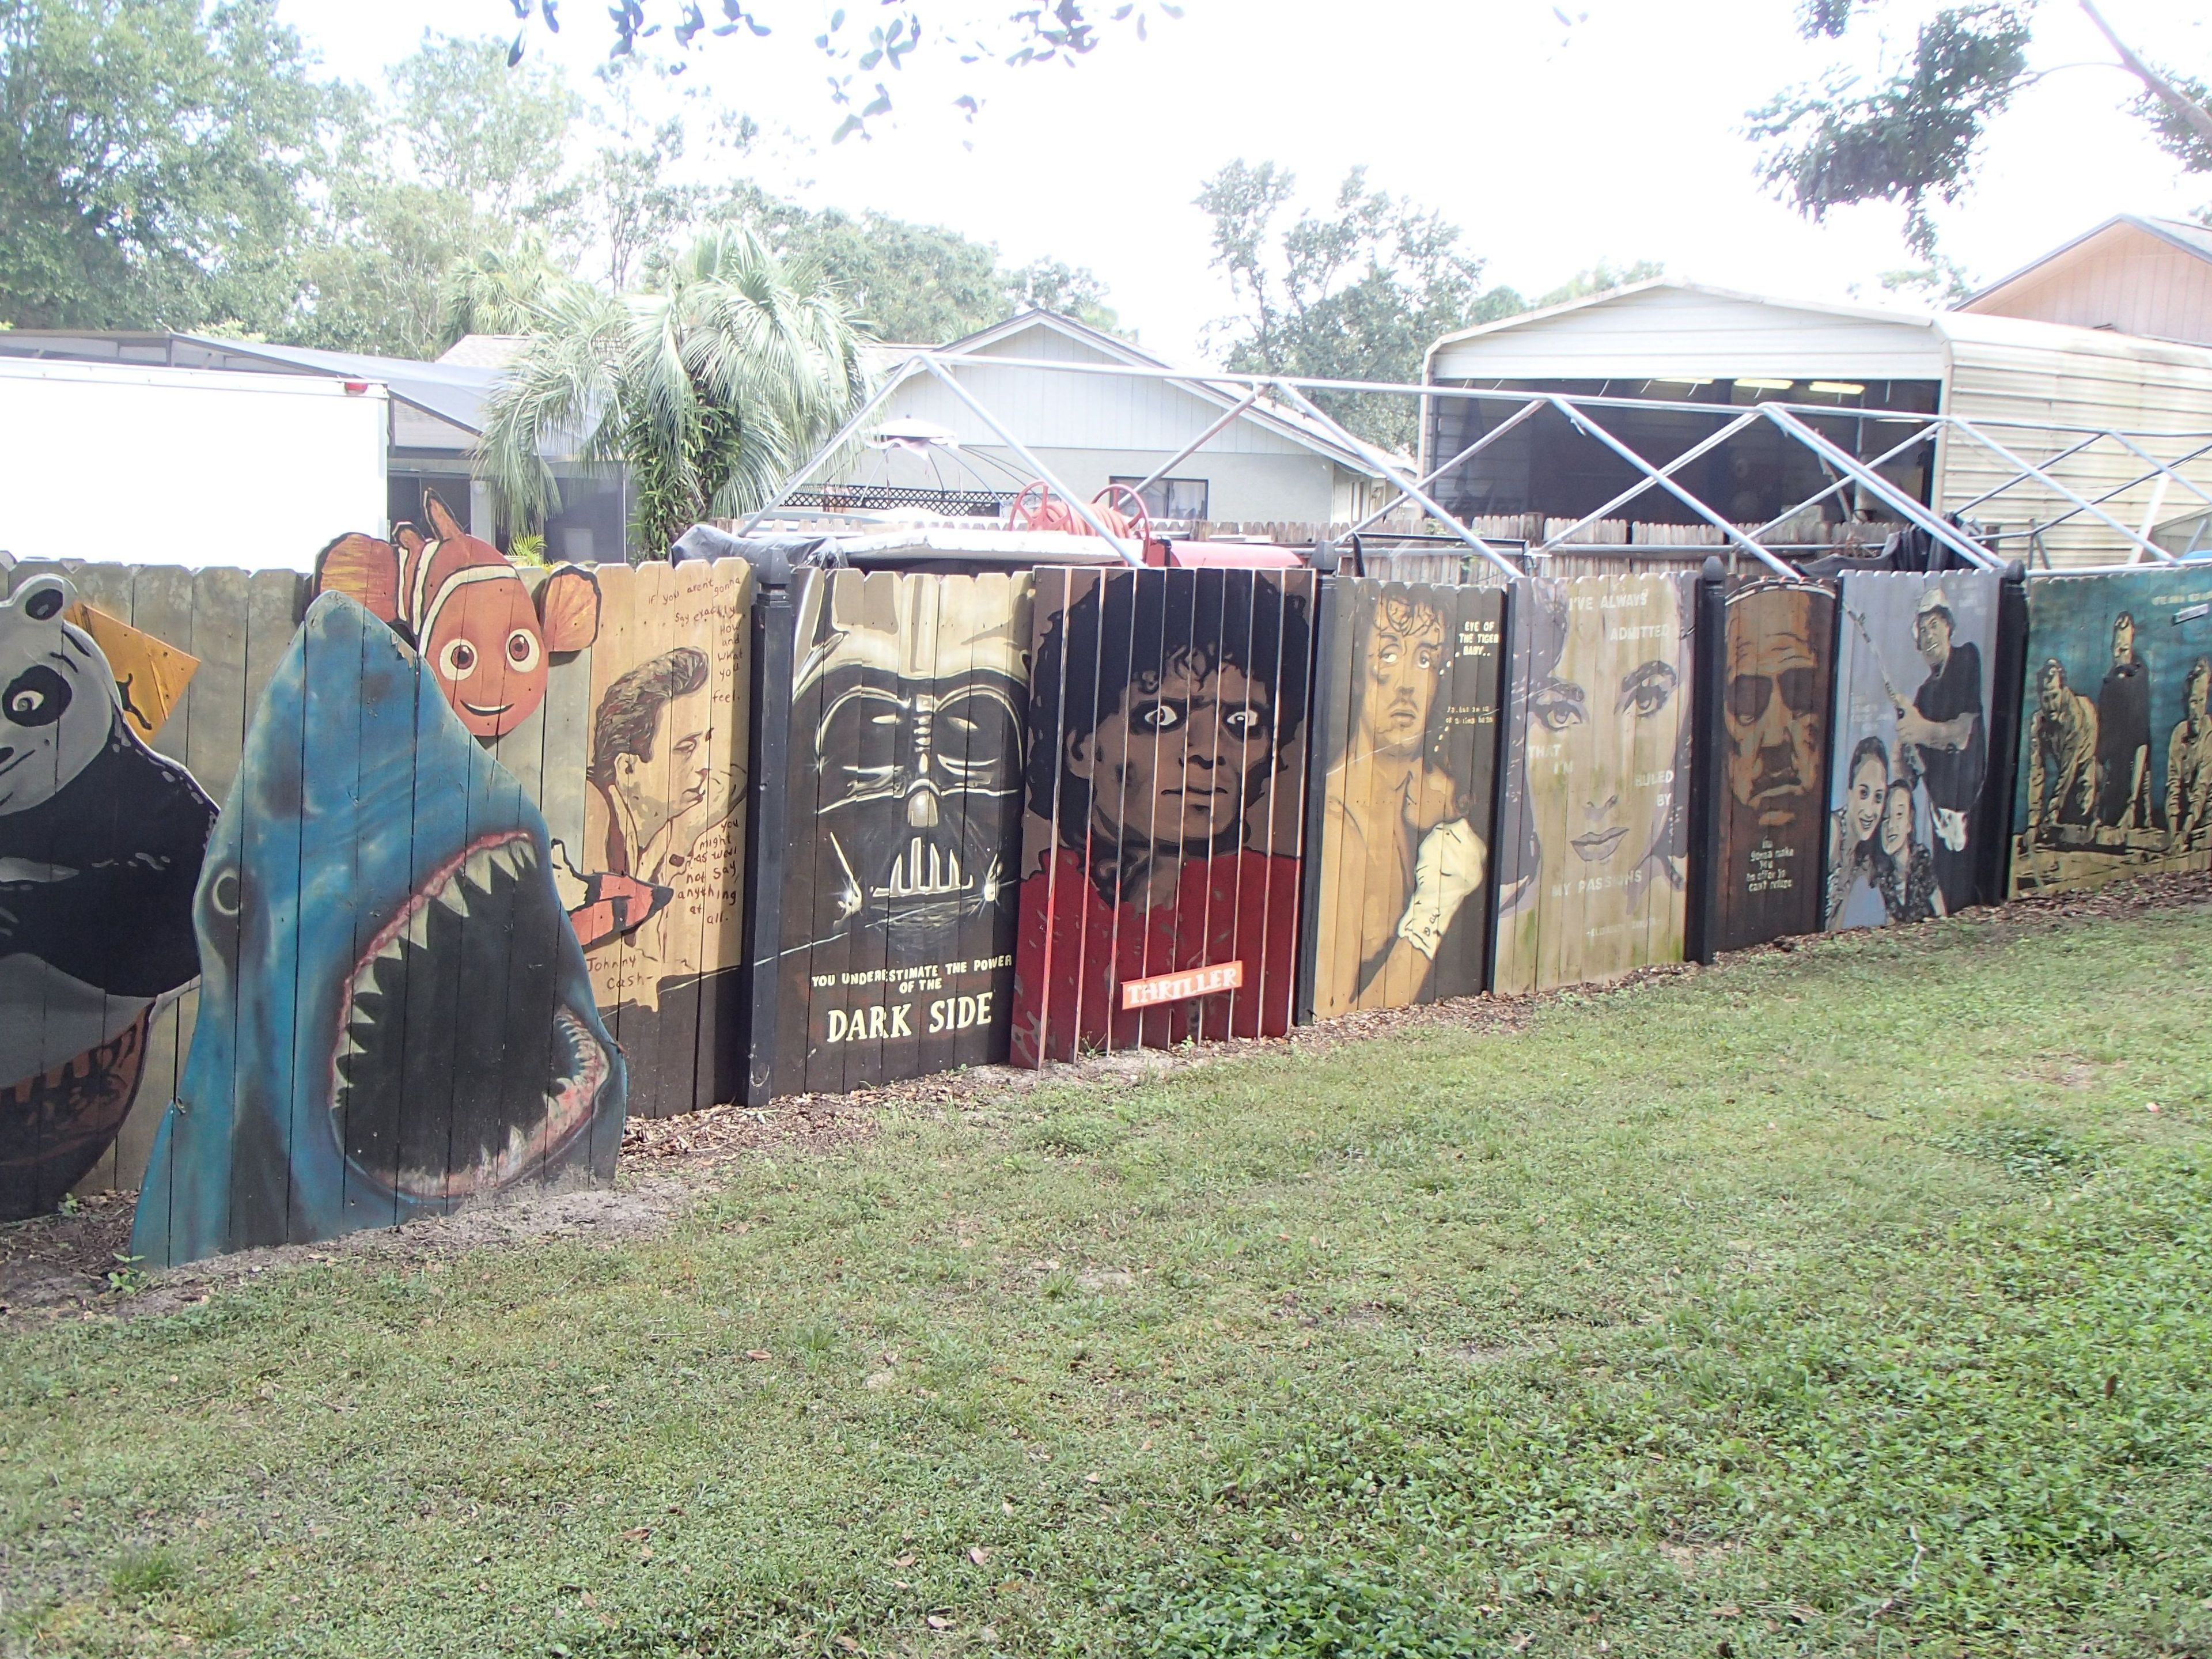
(835, 447)
(1913, 512)
(1375, 459)
(2160, 472)
(1814, 500)
(1044, 474)
(2125, 442)
(1199, 442)
(1583, 422)
(1666, 472)
(1465, 455)
(2049, 460)
(2058, 488)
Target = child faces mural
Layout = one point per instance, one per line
(908, 701)
(100, 843)
(461, 603)
(394, 1015)
(1592, 832)
(2115, 740)
(1166, 801)
(1774, 731)
(1916, 657)
(1411, 698)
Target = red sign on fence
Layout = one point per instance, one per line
(1180, 987)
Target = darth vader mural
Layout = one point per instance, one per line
(909, 700)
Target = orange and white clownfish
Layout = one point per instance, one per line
(463, 606)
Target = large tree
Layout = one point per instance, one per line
(1913, 136)
(152, 162)
(1356, 292)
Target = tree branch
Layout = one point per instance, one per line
(2198, 118)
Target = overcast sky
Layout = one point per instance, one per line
(1552, 146)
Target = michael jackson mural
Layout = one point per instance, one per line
(909, 695)
(1160, 865)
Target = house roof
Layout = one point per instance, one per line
(1279, 418)
(2193, 240)
(452, 392)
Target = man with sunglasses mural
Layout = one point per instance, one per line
(1942, 735)
(1775, 715)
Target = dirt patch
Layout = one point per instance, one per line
(59, 1264)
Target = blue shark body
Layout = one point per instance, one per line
(394, 1014)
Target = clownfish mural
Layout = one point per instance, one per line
(459, 602)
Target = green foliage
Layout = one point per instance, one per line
(1356, 293)
(151, 162)
(2177, 135)
(143, 1573)
(1913, 136)
(707, 385)
(475, 127)
(1602, 277)
(1273, 1607)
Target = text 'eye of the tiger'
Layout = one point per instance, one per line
(522, 649)
(458, 660)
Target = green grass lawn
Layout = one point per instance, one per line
(1847, 1301)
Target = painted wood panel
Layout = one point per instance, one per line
(2116, 744)
(1407, 711)
(1916, 659)
(1592, 839)
(1160, 859)
(1776, 688)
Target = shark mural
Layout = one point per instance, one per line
(395, 1016)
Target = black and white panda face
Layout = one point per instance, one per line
(57, 696)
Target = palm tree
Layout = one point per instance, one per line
(495, 291)
(709, 386)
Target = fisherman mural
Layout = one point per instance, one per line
(461, 603)
(100, 843)
(394, 1014)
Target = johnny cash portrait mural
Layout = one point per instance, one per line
(910, 697)
(1915, 657)
(1160, 867)
(1775, 690)
(1408, 712)
(100, 844)
(1592, 835)
(2116, 740)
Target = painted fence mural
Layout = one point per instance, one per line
(1778, 650)
(469, 906)
(1916, 657)
(1166, 784)
(1406, 701)
(908, 701)
(1593, 830)
(2116, 744)
(394, 1016)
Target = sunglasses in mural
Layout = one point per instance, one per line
(461, 603)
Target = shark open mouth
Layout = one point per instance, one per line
(457, 1002)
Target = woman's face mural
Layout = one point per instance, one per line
(1870, 784)
(1603, 730)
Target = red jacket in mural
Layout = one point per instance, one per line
(1075, 951)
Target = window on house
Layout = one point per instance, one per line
(1170, 498)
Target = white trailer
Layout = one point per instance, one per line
(185, 466)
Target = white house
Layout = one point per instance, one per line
(1686, 343)
(2131, 274)
(1091, 430)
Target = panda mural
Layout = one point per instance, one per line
(100, 844)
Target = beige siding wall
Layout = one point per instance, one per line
(2022, 372)
(2124, 279)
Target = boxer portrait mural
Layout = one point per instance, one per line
(394, 1015)
(1408, 716)
(1915, 666)
(2116, 742)
(909, 700)
(100, 844)
(1776, 689)
(1166, 784)
(1593, 833)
